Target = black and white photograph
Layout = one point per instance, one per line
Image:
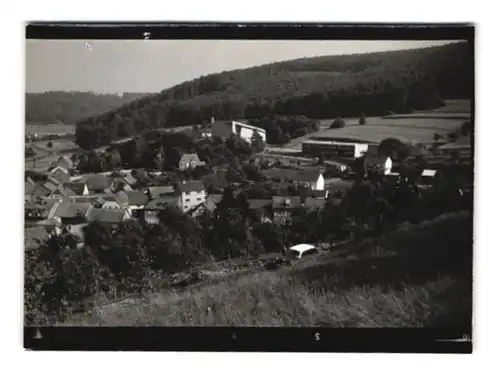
(249, 187)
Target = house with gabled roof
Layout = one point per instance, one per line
(151, 211)
(72, 213)
(51, 186)
(189, 161)
(159, 191)
(98, 183)
(191, 194)
(310, 177)
(59, 175)
(40, 191)
(109, 202)
(64, 162)
(109, 216)
(133, 200)
(284, 207)
(80, 188)
(34, 212)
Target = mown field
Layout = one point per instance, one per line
(418, 276)
(407, 130)
(418, 127)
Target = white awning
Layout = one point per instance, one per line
(302, 247)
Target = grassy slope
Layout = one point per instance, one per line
(417, 276)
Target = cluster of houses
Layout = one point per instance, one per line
(66, 202)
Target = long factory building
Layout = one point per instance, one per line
(334, 149)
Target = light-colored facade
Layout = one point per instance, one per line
(224, 129)
(191, 194)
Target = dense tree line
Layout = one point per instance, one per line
(163, 151)
(322, 87)
(58, 107)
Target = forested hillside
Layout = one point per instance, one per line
(57, 107)
(315, 87)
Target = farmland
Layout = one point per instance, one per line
(412, 130)
(418, 127)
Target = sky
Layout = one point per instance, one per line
(117, 66)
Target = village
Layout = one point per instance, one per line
(61, 200)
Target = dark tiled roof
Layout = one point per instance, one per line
(67, 193)
(77, 186)
(33, 206)
(259, 203)
(161, 203)
(191, 186)
(51, 186)
(215, 180)
(277, 185)
(282, 174)
(83, 198)
(98, 182)
(161, 191)
(136, 197)
(41, 190)
(106, 215)
(68, 209)
(318, 194)
(308, 175)
(286, 202)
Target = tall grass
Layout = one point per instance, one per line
(414, 277)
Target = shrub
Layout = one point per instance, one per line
(338, 123)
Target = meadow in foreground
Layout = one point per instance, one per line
(415, 277)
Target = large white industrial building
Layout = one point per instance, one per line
(226, 128)
(334, 148)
